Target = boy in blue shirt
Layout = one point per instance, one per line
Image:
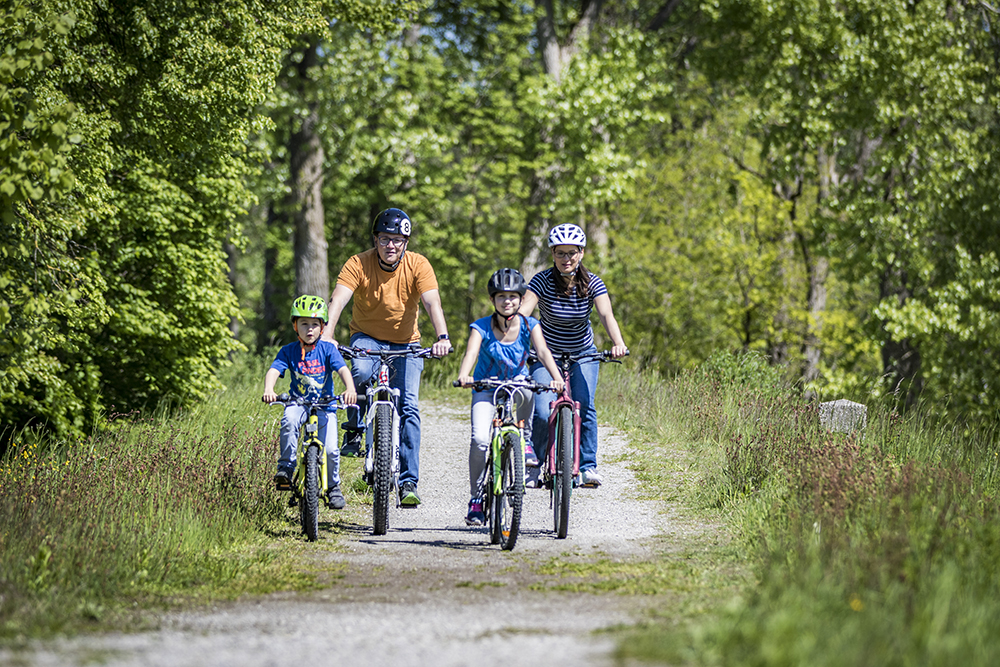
(312, 362)
(498, 347)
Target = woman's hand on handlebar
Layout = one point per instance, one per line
(557, 385)
(618, 351)
(465, 380)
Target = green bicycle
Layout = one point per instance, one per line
(503, 497)
(309, 483)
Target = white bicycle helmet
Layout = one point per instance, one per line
(567, 235)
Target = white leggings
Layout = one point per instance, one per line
(483, 412)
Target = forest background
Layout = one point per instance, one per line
(809, 179)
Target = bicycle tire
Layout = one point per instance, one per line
(562, 485)
(383, 469)
(492, 502)
(310, 500)
(511, 502)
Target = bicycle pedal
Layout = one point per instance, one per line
(293, 501)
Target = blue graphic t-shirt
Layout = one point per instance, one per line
(313, 371)
(502, 360)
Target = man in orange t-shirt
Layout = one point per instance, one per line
(388, 284)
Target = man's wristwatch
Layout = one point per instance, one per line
(443, 337)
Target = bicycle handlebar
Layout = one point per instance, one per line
(496, 383)
(604, 356)
(361, 353)
(321, 402)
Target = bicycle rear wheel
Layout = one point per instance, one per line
(562, 485)
(309, 503)
(509, 504)
(383, 469)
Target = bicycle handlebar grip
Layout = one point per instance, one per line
(283, 398)
(456, 383)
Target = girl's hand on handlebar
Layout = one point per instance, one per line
(557, 385)
(465, 380)
(269, 397)
(618, 351)
(349, 397)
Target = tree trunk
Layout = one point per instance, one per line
(556, 55)
(900, 358)
(269, 320)
(305, 203)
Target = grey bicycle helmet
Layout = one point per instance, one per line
(507, 280)
(567, 235)
(392, 221)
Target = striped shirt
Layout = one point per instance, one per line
(565, 319)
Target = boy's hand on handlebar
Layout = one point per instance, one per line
(269, 397)
(618, 351)
(557, 385)
(349, 397)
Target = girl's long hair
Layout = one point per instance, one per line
(579, 281)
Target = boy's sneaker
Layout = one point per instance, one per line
(591, 478)
(475, 517)
(335, 498)
(530, 459)
(352, 444)
(408, 495)
(282, 481)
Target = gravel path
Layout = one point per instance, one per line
(430, 592)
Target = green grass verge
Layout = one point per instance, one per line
(878, 548)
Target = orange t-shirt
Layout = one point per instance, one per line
(386, 303)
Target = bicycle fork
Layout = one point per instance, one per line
(555, 406)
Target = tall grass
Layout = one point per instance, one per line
(146, 507)
(877, 548)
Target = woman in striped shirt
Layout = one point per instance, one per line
(565, 295)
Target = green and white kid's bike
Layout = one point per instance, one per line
(309, 485)
(503, 497)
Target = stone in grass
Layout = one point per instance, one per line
(843, 416)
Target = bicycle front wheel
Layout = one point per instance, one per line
(383, 469)
(562, 485)
(510, 503)
(309, 503)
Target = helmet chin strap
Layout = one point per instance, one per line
(389, 267)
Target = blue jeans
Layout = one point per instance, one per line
(291, 423)
(405, 376)
(583, 385)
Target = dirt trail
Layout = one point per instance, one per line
(430, 592)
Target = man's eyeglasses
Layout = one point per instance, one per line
(565, 255)
(386, 241)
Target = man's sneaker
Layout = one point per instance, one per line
(408, 495)
(335, 498)
(282, 481)
(352, 444)
(530, 459)
(533, 478)
(475, 517)
(590, 477)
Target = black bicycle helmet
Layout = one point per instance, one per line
(392, 221)
(507, 280)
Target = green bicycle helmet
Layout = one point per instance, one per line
(309, 306)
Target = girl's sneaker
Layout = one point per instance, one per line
(530, 459)
(475, 517)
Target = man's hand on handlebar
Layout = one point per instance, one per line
(465, 380)
(442, 348)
